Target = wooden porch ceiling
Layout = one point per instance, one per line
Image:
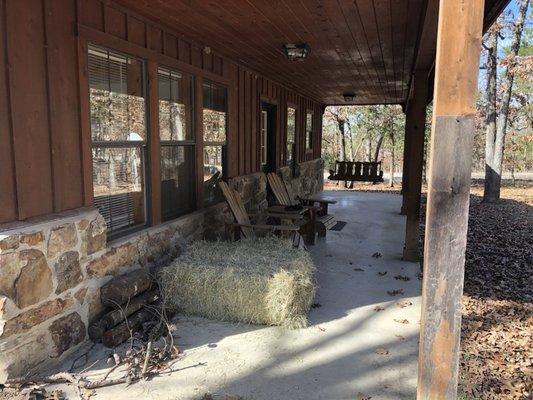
(366, 47)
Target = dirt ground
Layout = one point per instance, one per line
(497, 329)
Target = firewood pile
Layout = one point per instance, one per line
(134, 304)
(136, 317)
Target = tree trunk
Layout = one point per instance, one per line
(378, 147)
(491, 178)
(351, 144)
(358, 147)
(343, 140)
(493, 194)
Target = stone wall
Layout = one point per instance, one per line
(51, 269)
(51, 272)
(308, 177)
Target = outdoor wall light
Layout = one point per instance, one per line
(296, 52)
(349, 97)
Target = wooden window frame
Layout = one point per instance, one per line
(263, 138)
(178, 143)
(143, 145)
(296, 125)
(311, 131)
(152, 60)
(223, 145)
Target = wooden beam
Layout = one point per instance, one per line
(85, 124)
(405, 169)
(427, 40)
(154, 145)
(415, 127)
(199, 139)
(456, 73)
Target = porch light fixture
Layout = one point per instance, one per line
(349, 97)
(296, 52)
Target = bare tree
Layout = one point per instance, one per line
(491, 47)
(343, 139)
(495, 147)
(379, 142)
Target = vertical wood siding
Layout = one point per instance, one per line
(252, 90)
(44, 121)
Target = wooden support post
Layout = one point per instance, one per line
(415, 126)
(456, 74)
(405, 169)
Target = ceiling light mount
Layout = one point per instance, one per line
(349, 97)
(296, 51)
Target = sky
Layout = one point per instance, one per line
(512, 7)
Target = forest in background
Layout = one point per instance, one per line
(376, 133)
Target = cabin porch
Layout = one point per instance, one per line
(111, 152)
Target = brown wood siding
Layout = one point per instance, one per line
(8, 193)
(63, 103)
(254, 89)
(44, 117)
(26, 57)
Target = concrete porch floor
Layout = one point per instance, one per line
(351, 348)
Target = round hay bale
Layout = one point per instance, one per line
(261, 281)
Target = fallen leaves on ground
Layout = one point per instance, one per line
(395, 292)
(497, 326)
(402, 278)
(404, 303)
(382, 351)
(401, 321)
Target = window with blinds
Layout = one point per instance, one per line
(177, 143)
(118, 133)
(214, 127)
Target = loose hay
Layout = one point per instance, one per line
(261, 281)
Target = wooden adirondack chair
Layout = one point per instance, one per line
(324, 221)
(243, 225)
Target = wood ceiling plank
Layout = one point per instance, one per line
(399, 10)
(345, 72)
(383, 20)
(411, 36)
(363, 12)
(262, 30)
(352, 18)
(344, 35)
(365, 46)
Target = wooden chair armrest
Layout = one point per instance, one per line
(280, 210)
(285, 216)
(310, 199)
(272, 214)
(269, 227)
